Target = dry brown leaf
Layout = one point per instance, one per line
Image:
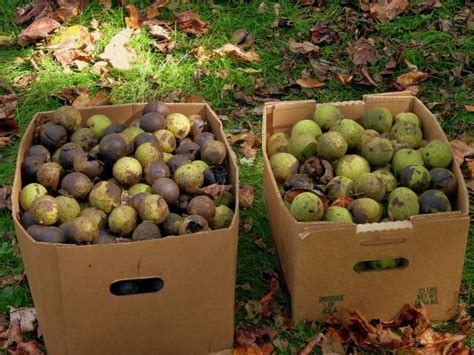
(236, 53)
(366, 74)
(412, 78)
(310, 83)
(193, 98)
(5, 200)
(66, 9)
(25, 79)
(8, 132)
(29, 348)
(26, 316)
(463, 320)
(345, 79)
(362, 52)
(165, 47)
(469, 108)
(85, 100)
(191, 23)
(118, 52)
(10, 280)
(133, 18)
(246, 196)
(158, 31)
(248, 142)
(384, 10)
(342, 201)
(222, 74)
(38, 30)
(7, 106)
(106, 3)
(427, 5)
(461, 150)
(154, 10)
(214, 190)
(246, 224)
(303, 47)
(321, 34)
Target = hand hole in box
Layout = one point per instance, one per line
(136, 286)
(381, 264)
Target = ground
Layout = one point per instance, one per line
(436, 41)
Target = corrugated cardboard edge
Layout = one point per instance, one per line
(40, 250)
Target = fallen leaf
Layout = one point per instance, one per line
(8, 132)
(248, 142)
(246, 286)
(412, 78)
(106, 3)
(461, 150)
(345, 79)
(5, 200)
(310, 83)
(236, 53)
(427, 5)
(241, 96)
(165, 47)
(246, 196)
(100, 68)
(193, 98)
(38, 30)
(276, 9)
(214, 190)
(246, 224)
(85, 100)
(342, 202)
(133, 18)
(320, 34)
(25, 79)
(463, 320)
(67, 9)
(366, 74)
(7, 106)
(268, 298)
(384, 10)
(251, 339)
(362, 52)
(118, 52)
(282, 22)
(26, 316)
(222, 74)
(10, 280)
(29, 348)
(469, 108)
(302, 48)
(154, 9)
(158, 31)
(191, 23)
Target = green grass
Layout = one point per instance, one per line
(156, 74)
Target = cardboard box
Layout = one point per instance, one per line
(192, 314)
(318, 257)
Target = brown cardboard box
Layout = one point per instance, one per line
(192, 314)
(318, 257)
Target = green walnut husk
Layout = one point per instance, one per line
(29, 193)
(437, 154)
(339, 186)
(302, 146)
(416, 178)
(45, 210)
(404, 158)
(369, 185)
(378, 151)
(339, 214)
(98, 123)
(434, 201)
(307, 127)
(69, 208)
(388, 179)
(283, 166)
(307, 207)
(350, 130)
(402, 204)
(122, 220)
(327, 115)
(408, 133)
(277, 143)
(378, 118)
(366, 210)
(332, 146)
(352, 166)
